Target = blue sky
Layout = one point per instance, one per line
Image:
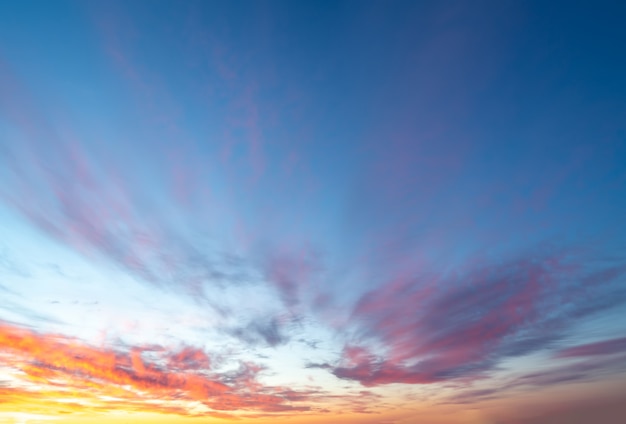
(331, 201)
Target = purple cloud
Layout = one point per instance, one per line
(606, 347)
(443, 327)
(585, 370)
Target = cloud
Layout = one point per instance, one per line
(262, 332)
(96, 203)
(292, 271)
(113, 203)
(607, 410)
(189, 358)
(9, 265)
(588, 369)
(606, 347)
(461, 326)
(133, 375)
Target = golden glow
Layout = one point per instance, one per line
(58, 375)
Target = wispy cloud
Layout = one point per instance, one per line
(266, 331)
(436, 327)
(605, 347)
(94, 204)
(586, 370)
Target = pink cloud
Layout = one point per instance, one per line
(606, 347)
(437, 328)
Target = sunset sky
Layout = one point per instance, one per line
(378, 212)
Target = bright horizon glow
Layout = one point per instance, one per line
(312, 212)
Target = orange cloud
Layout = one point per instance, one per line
(66, 375)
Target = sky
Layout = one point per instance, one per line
(309, 212)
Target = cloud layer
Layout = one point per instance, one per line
(432, 328)
(181, 381)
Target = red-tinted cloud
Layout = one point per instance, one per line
(52, 362)
(435, 328)
(606, 347)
